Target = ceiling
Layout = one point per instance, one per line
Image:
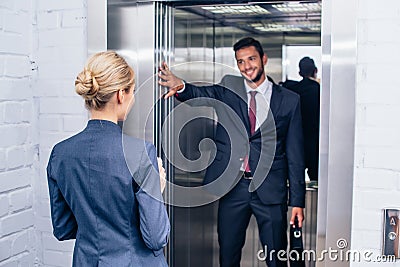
(273, 22)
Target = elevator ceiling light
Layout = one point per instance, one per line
(236, 10)
(294, 7)
(275, 27)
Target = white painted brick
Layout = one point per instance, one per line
(17, 66)
(14, 179)
(366, 239)
(51, 243)
(73, 18)
(49, 139)
(20, 243)
(366, 219)
(27, 111)
(15, 157)
(43, 224)
(74, 123)
(28, 260)
(370, 10)
(377, 94)
(59, 5)
(383, 158)
(13, 135)
(70, 105)
(57, 258)
(17, 23)
(15, 89)
(31, 154)
(375, 178)
(375, 200)
(383, 136)
(64, 37)
(2, 60)
(50, 123)
(371, 71)
(48, 20)
(398, 182)
(66, 71)
(2, 107)
(23, 5)
(20, 199)
(359, 155)
(382, 115)
(43, 208)
(16, 222)
(1, 18)
(5, 249)
(13, 112)
(3, 205)
(360, 115)
(41, 187)
(46, 87)
(8, 4)
(66, 53)
(2, 159)
(383, 30)
(32, 238)
(378, 53)
(13, 262)
(14, 43)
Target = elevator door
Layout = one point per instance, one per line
(197, 44)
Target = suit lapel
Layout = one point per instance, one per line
(243, 107)
(274, 106)
(276, 99)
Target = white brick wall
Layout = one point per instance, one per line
(42, 48)
(377, 147)
(60, 55)
(18, 145)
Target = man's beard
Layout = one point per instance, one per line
(258, 77)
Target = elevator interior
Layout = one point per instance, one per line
(196, 38)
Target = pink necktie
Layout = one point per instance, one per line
(252, 118)
(252, 111)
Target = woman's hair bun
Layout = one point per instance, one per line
(86, 85)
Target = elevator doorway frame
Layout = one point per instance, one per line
(339, 45)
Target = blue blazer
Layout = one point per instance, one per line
(96, 199)
(275, 149)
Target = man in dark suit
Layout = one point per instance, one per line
(259, 150)
(309, 91)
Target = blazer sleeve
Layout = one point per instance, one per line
(63, 220)
(206, 92)
(295, 158)
(154, 221)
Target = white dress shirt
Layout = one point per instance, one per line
(263, 99)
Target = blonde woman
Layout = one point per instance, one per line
(110, 202)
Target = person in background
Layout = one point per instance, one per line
(251, 97)
(110, 202)
(309, 90)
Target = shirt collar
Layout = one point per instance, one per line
(263, 88)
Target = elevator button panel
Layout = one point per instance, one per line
(391, 219)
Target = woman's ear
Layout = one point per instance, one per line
(120, 96)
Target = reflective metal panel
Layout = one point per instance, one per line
(97, 26)
(136, 43)
(337, 126)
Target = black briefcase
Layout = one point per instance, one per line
(296, 245)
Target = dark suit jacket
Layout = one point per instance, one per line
(95, 198)
(276, 148)
(309, 92)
